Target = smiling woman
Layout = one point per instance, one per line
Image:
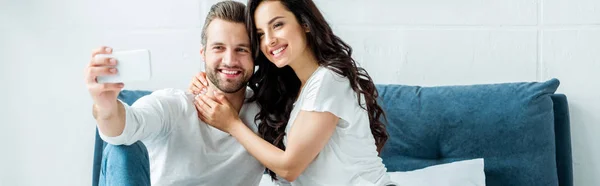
(294, 35)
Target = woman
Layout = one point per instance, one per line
(319, 119)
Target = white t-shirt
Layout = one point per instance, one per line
(350, 157)
(183, 150)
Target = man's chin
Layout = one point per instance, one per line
(231, 89)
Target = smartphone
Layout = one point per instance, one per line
(132, 66)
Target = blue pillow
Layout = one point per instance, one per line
(510, 125)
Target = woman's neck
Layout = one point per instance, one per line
(305, 67)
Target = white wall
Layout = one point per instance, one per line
(47, 130)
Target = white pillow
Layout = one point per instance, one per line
(460, 173)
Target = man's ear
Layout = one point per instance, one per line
(202, 53)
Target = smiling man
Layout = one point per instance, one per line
(181, 149)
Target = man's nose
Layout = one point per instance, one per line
(229, 57)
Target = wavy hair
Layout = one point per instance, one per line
(275, 89)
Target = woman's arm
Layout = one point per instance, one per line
(198, 84)
(307, 137)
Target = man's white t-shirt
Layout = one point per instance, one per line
(183, 150)
(350, 157)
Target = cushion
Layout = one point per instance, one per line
(460, 173)
(510, 125)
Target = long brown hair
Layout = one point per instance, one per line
(277, 88)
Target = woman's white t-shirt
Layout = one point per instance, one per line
(350, 157)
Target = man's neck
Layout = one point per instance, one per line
(236, 99)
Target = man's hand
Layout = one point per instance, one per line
(104, 95)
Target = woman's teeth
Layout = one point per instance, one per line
(278, 51)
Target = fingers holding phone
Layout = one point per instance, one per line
(103, 94)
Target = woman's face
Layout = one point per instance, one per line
(282, 38)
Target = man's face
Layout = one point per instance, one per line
(229, 64)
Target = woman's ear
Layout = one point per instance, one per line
(306, 28)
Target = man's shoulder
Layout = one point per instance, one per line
(169, 96)
(248, 113)
(169, 92)
(251, 106)
(173, 93)
(249, 93)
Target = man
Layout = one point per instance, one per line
(181, 150)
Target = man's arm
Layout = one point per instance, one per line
(149, 118)
(119, 123)
(111, 121)
(107, 110)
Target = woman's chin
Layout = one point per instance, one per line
(280, 64)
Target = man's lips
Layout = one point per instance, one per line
(230, 71)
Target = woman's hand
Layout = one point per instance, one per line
(217, 112)
(198, 84)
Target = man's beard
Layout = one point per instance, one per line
(227, 86)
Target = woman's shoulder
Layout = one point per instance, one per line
(326, 77)
(327, 84)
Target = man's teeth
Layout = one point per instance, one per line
(278, 50)
(230, 72)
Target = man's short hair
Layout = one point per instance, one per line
(232, 11)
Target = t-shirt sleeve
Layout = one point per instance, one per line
(329, 92)
(150, 117)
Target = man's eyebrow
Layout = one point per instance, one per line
(244, 45)
(216, 43)
(247, 45)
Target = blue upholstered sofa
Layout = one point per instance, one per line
(521, 130)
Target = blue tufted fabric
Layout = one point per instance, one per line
(510, 125)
